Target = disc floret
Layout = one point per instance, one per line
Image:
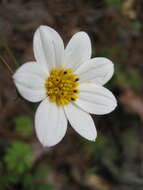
(62, 86)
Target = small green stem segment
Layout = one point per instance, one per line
(6, 64)
(8, 50)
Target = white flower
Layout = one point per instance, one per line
(69, 84)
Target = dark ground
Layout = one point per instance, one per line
(115, 160)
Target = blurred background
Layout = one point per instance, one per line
(115, 160)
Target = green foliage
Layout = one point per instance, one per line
(19, 160)
(18, 157)
(42, 173)
(115, 3)
(101, 149)
(3, 181)
(45, 187)
(115, 52)
(130, 77)
(130, 138)
(136, 27)
(23, 125)
(29, 183)
(91, 171)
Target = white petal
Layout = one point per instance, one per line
(81, 122)
(97, 70)
(95, 99)
(50, 123)
(78, 50)
(29, 80)
(48, 47)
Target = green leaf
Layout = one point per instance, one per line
(131, 77)
(101, 149)
(115, 3)
(136, 27)
(28, 182)
(23, 125)
(45, 187)
(42, 173)
(19, 157)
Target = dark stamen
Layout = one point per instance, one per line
(77, 79)
(72, 99)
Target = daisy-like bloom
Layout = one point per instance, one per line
(68, 82)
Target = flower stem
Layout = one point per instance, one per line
(6, 64)
(8, 50)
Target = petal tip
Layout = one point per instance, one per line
(49, 145)
(41, 27)
(46, 145)
(93, 138)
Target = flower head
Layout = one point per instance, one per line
(68, 82)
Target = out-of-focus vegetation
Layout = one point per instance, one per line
(115, 3)
(115, 160)
(18, 160)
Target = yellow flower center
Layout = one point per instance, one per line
(62, 86)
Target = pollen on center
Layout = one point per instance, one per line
(62, 86)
